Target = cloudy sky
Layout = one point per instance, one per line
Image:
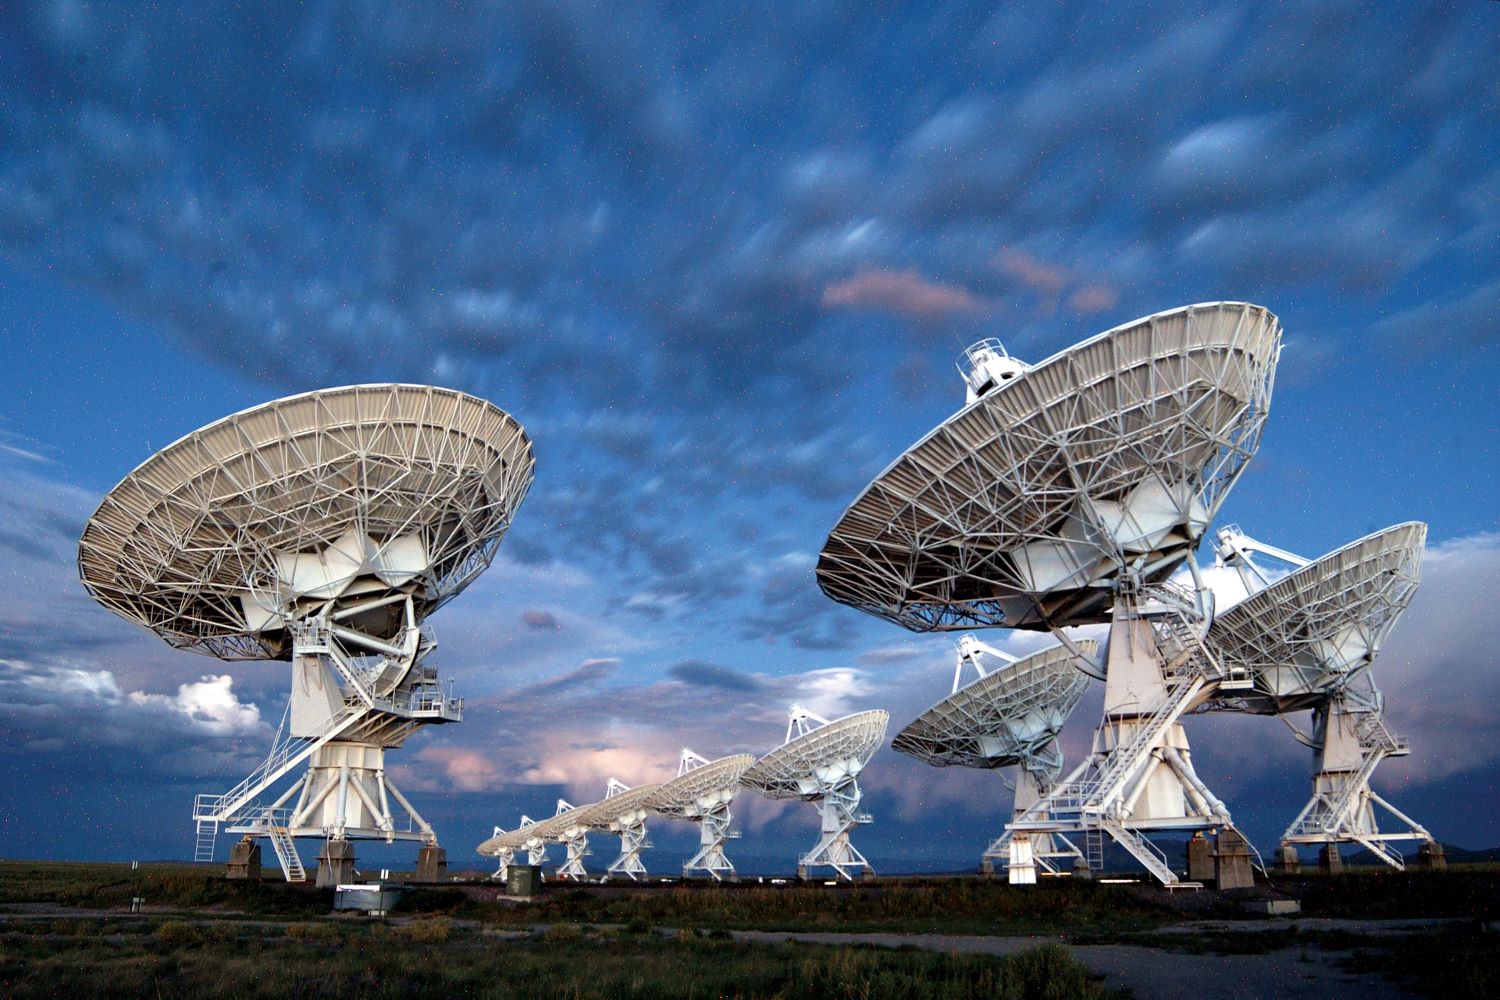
(718, 260)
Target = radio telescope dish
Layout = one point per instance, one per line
(340, 497)
(623, 810)
(1309, 640)
(1025, 507)
(1065, 494)
(321, 528)
(702, 792)
(1009, 716)
(1307, 632)
(820, 762)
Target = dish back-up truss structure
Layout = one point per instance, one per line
(1308, 640)
(702, 793)
(820, 762)
(1009, 716)
(623, 810)
(321, 529)
(1067, 493)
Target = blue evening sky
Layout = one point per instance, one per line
(718, 260)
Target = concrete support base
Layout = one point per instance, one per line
(1329, 859)
(1430, 856)
(432, 864)
(1288, 862)
(336, 863)
(1200, 859)
(1082, 870)
(1232, 869)
(244, 860)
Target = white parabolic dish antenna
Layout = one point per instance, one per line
(702, 792)
(1317, 626)
(1064, 494)
(321, 528)
(1309, 641)
(1025, 507)
(822, 764)
(1007, 717)
(341, 496)
(695, 792)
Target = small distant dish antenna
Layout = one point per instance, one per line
(320, 529)
(1067, 493)
(623, 811)
(820, 762)
(1308, 634)
(1007, 717)
(569, 826)
(702, 793)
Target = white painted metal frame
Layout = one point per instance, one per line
(320, 528)
(1310, 639)
(623, 811)
(702, 793)
(1067, 494)
(820, 762)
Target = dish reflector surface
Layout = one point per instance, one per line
(1305, 632)
(348, 495)
(700, 789)
(604, 813)
(1023, 508)
(1003, 718)
(805, 766)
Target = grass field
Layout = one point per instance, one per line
(66, 928)
(157, 957)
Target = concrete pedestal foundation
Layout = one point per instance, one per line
(336, 863)
(1232, 869)
(1329, 859)
(432, 864)
(1288, 862)
(244, 860)
(1200, 859)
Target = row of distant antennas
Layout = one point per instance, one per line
(710, 858)
(819, 761)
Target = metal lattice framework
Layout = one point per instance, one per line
(822, 765)
(1309, 641)
(702, 793)
(321, 528)
(1312, 630)
(1024, 508)
(623, 810)
(1010, 716)
(219, 539)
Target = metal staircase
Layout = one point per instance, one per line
(1148, 854)
(286, 850)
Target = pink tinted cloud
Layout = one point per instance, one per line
(1091, 299)
(466, 770)
(1034, 273)
(904, 292)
